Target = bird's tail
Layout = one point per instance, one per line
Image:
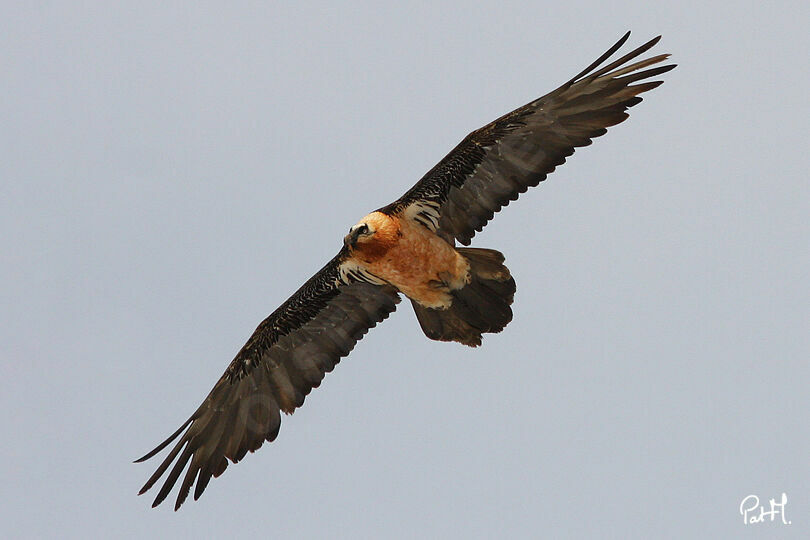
(481, 306)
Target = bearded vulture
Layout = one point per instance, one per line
(407, 247)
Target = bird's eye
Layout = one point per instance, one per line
(363, 229)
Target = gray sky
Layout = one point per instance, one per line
(168, 176)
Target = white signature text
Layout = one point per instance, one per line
(753, 512)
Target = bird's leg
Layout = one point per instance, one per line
(443, 283)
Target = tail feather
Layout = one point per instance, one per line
(482, 306)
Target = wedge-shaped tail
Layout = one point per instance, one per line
(480, 307)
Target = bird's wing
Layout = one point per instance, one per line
(495, 164)
(285, 358)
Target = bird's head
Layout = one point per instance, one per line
(358, 233)
(374, 232)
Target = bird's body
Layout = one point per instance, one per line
(412, 258)
(408, 247)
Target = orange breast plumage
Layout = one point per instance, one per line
(416, 261)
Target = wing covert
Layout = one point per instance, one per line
(285, 358)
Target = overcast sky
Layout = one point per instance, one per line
(169, 175)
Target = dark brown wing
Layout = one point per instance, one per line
(496, 163)
(285, 358)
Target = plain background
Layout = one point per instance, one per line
(169, 174)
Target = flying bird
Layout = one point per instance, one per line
(409, 248)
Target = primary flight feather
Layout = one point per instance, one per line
(407, 247)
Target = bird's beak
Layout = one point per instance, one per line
(350, 240)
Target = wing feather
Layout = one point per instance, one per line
(494, 164)
(285, 358)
